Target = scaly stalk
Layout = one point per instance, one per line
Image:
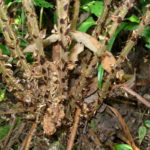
(11, 39)
(33, 27)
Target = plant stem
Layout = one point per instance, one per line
(75, 14)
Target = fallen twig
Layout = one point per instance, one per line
(10, 131)
(26, 143)
(74, 129)
(14, 138)
(124, 127)
(139, 97)
(16, 111)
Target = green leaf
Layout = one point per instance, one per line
(122, 147)
(92, 124)
(133, 18)
(29, 57)
(131, 26)
(94, 7)
(23, 18)
(5, 50)
(43, 3)
(23, 43)
(100, 76)
(141, 133)
(9, 2)
(18, 121)
(147, 123)
(89, 22)
(4, 130)
(147, 46)
(146, 34)
(18, 20)
(112, 40)
(2, 94)
(85, 2)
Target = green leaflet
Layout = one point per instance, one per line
(94, 7)
(100, 76)
(122, 147)
(43, 3)
(89, 22)
(2, 94)
(133, 18)
(141, 133)
(112, 40)
(147, 123)
(146, 34)
(5, 50)
(130, 26)
(4, 130)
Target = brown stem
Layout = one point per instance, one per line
(8, 77)
(33, 26)
(10, 37)
(129, 45)
(63, 20)
(26, 143)
(116, 22)
(75, 14)
(31, 18)
(102, 18)
(16, 111)
(10, 132)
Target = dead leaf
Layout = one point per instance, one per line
(52, 119)
(71, 66)
(92, 98)
(51, 39)
(108, 61)
(120, 74)
(131, 81)
(93, 86)
(42, 34)
(90, 42)
(76, 50)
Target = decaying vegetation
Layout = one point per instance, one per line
(53, 90)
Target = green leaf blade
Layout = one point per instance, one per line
(94, 7)
(89, 22)
(4, 130)
(2, 94)
(122, 147)
(5, 50)
(141, 133)
(147, 123)
(43, 3)
(100, 76)
(133, 18)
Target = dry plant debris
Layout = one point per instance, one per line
(66, 83)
